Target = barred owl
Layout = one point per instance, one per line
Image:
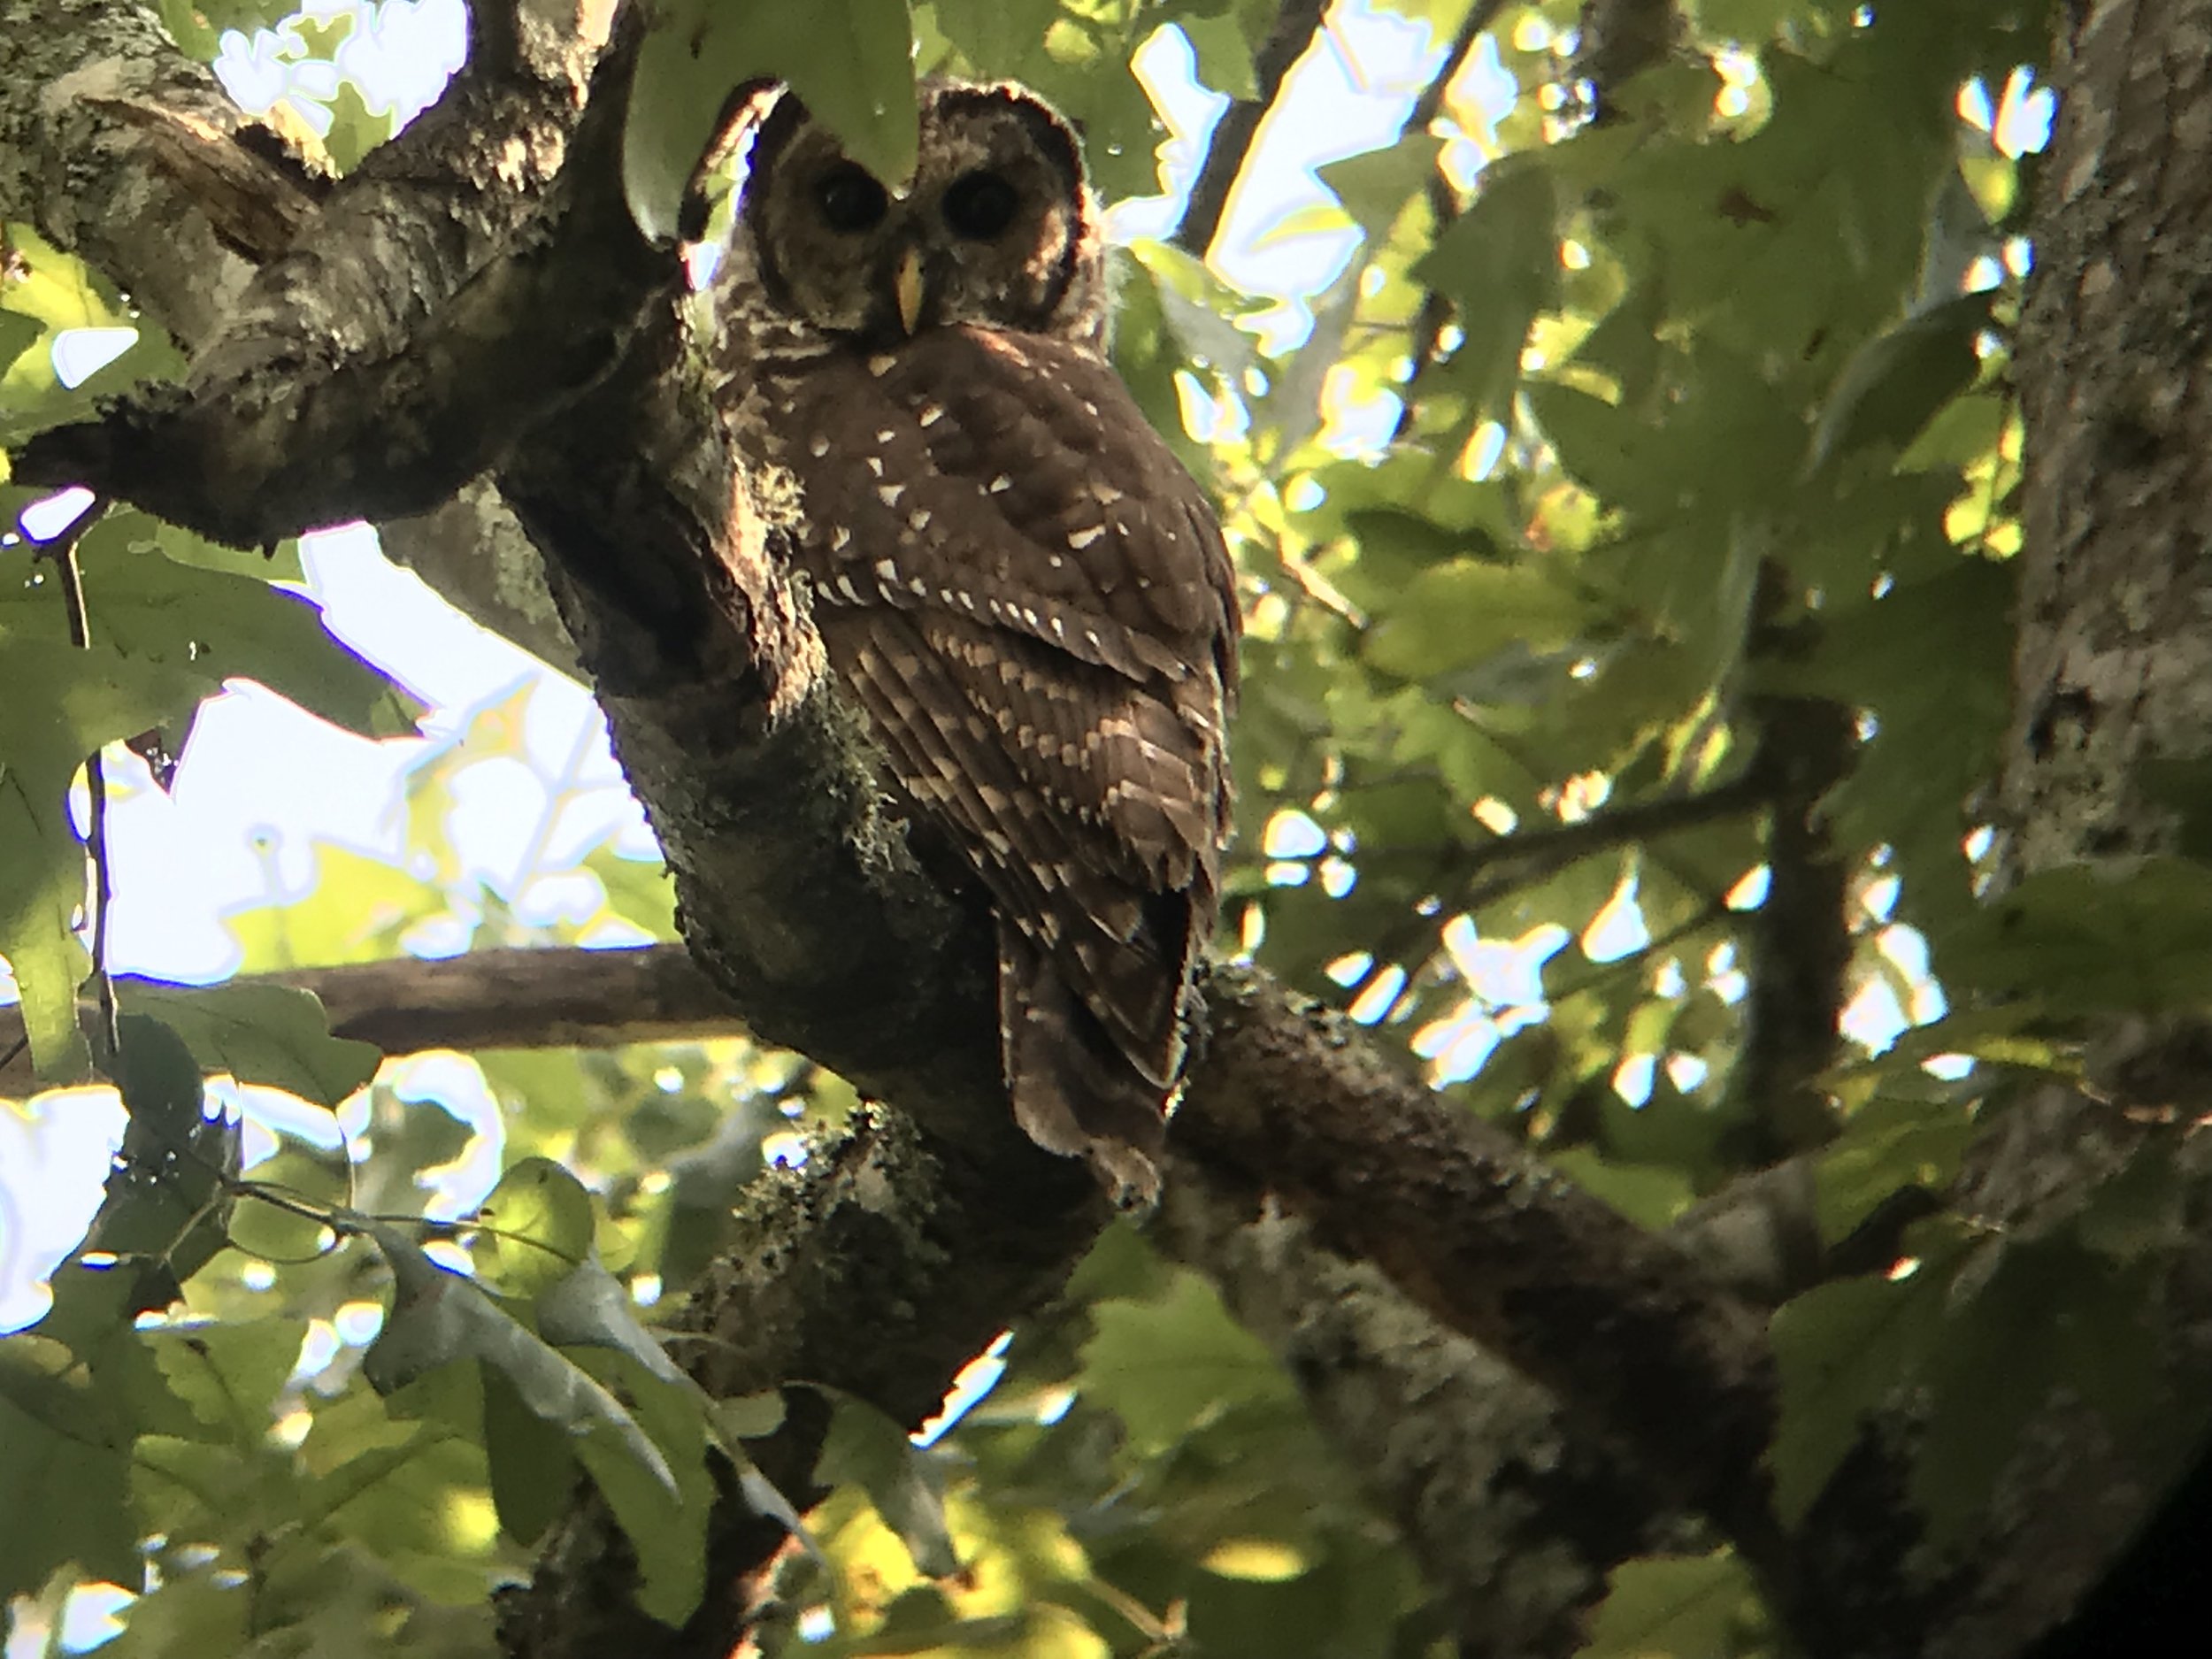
(1026, 595)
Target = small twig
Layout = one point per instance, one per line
(1430, 104)
(103, 903)
(1488, 873)
(1599, 972)
(1295, 26)
(1548, 850)
(62, 551)
(1436, 312)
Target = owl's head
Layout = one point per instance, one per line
(998, 228)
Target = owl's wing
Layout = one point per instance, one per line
(1091, 962)
(1009, 478)
(1086, 804)
(1032, 600)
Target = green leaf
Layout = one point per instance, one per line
(1466, 611)
(406, 1495)
(538, 1228)
(274, 1035)
(638, 890)
(220, 624)
(188, 1612)
(67, 1505)
(1686, 1606)
(748, 1416)
(1888, 1145)
(167, 1202)
(228, 1375)
(1376, 185)
(533, 1467)
(1198, 309)
(2050, 1315)
(16, 333)
(279, 563)
(1498, 262)
(356, 911)
(2083, 938)
(588, 1308)
(46, 1379)
(438, 1317)
(850, 60)
(1166, 1366)
(62, 704)
(1932, 659)
(354, 128)
(1839, 1351)
(1610, 452)
(905, 1482)
(666, 1522)
(1078, 59)
(1625, 344)
(987, 30)
(1750, 22)
(1223, 54)
(2140, 1210)
(1895, 383)
(1650, 1195)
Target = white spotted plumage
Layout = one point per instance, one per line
(1049, 686)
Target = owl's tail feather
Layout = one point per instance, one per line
(1074, 1091)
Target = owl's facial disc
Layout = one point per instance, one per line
(995, 231)
(924, 236)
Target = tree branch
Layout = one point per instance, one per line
(378, 364)
(1514, 1517)
(1800, 937)
(1436, 312)
(1295, 26)
(1472, 878)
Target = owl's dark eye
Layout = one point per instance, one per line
(979, 205)
(850, 200)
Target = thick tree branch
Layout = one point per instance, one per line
(489, 999)
(121, 150)
(1292, 1100)
(2112, 665)
(1800, 937)
(100, 109)
(1514, 1516)
(449, 293)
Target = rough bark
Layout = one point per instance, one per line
(1514, 1516)
(2114, 661)
(2112, 687)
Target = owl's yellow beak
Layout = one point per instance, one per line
(906, 289)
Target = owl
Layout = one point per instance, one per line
(1024, 591)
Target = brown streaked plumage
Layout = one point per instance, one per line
(1023, 589)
